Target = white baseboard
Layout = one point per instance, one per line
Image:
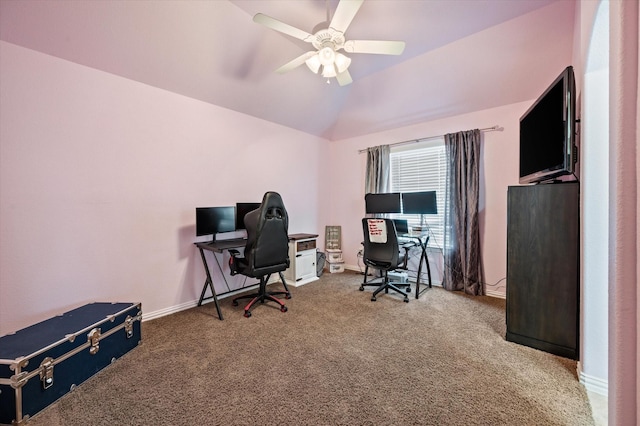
(146, 316)
(497, 294)
(354, 268)
(594, 384)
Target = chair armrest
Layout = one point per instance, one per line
(407, 248)
(233, 268)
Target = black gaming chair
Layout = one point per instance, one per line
(382, 252)
(266, 251)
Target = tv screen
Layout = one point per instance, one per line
(241, 210)
(214, 220)
(419, 202)
(383, 203)
(547, 140)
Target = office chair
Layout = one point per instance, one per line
(382, 252)
(266, 251)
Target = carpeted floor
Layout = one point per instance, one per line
(335, 358)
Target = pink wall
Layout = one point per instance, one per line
(100, 176)
(500, 169)
(624, 159)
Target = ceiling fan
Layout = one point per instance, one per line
(328, 38)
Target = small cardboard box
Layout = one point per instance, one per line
(336, 267)
(334, 256)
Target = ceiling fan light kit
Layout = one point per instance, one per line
(314, 64)
(328, 40)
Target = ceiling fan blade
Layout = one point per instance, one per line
(375, 46)
(280, 26)
(296, 62)
(344, 78)
(344, 14)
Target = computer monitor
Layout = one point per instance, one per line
(419, 202)
(383, 203)
(241, 210)
(214, 220)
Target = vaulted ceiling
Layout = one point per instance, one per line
(460, 56)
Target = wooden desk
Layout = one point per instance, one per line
(218, 246)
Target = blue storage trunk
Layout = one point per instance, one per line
(41, 363)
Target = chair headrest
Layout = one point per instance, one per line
(272, 206)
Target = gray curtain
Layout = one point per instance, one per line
(462, 260)
(378, 170)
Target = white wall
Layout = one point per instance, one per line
(100, 177)
(499, 170)
(594, 157)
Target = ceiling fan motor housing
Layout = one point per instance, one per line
(328, 38)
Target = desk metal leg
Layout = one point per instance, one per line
(208, 283)
(221, 272)
(426, 260)
(419, 273)
(423, 258)
(284, 283)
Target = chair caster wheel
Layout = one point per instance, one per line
(287, 296)
(283, 309)
(361, 288)
(234, 303)
(247, 314)
(373, 299)
(406, 300)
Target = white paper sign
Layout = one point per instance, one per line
(377, 230)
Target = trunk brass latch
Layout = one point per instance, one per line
(46, 372)
(94, 340)
(128, 326)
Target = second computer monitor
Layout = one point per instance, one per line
(241, 210)
(419, 202)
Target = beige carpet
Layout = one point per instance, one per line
(335, 358)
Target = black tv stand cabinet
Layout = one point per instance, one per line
(543, 286)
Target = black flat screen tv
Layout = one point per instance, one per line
(547, 133)
(419, 202)
(214, 220)
(388, 202)
(241, 210)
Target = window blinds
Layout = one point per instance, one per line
(421, 167)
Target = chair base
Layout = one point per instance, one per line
(385, 285)
(263, 295)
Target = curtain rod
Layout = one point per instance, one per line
(486, 129)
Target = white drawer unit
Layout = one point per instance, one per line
(334, 256)
(302, 254)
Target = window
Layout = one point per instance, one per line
(421, 167)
